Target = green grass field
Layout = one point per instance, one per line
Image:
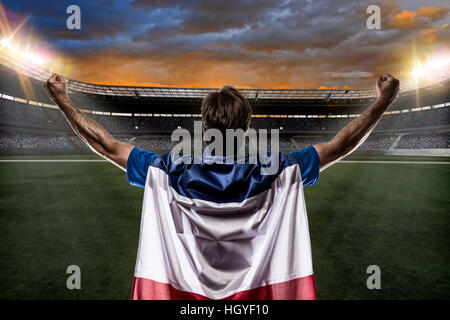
(396, 216)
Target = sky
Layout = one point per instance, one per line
(248, 44)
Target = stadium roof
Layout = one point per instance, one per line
(199, 93)
(13, 61)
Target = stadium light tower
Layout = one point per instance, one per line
(24, 55)
(436, 68)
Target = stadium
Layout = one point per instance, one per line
(387, 204)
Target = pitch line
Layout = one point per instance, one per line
(393, 161)
(101, 160)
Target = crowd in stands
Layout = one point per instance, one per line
(420, 119)
(378, 142)
(303, 142)
(37, 142)
(16, 113)
(373, 142)
(424, 141)
(153, 143)
(287, 145)
(12, 112)
(53, 132)
(71, 143)
(164, 143)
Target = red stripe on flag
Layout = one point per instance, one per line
(296, 289)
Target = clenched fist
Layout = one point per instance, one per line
(387, 87)
(56, 87)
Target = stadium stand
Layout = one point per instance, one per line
(53, 134)
(424, 141)
(21, 114)
(146, 116)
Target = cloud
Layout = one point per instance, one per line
(258, 44)
(420, 18)
(201, 17)
(355, 74)
(100, 19)
(433, 12)
(404, 19)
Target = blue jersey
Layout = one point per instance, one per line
(139, 161)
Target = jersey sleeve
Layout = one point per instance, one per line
(137, 166)
(309, 162)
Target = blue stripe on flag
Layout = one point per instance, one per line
(220, 183)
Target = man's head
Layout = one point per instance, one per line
(226, 109)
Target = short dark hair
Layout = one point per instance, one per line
(226, 109)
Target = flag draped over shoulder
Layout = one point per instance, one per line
(223, 231)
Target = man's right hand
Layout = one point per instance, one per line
(387, 87)
(57, 88)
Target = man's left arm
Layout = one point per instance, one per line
(357, 131)
(94, 135)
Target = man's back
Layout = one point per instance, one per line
(223, 231)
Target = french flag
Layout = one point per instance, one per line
(223, 231)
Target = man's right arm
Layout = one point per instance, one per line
(94, 135)
(357, 131)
